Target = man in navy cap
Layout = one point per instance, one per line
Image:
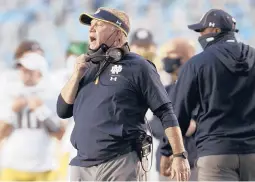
(219, 82)
(143, 44)
(108, 95)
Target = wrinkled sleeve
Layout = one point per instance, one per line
(155, 95)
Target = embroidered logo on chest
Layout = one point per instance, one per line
(116, 69)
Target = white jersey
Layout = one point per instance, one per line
(29, 147)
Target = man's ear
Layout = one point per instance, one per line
(118, 37)
(217, 30)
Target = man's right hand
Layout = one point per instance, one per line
(180, 169)
(80, 66)
(19, 104)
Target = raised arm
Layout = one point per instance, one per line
(69, 91)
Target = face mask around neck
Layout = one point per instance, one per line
(211, 38)
(208, 39)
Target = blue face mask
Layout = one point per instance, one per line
(171, 64)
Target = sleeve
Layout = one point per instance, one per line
(152, 89)
(166, 115)
(64, 110)
(185, 95)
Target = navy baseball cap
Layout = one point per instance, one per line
(215, 18)
(142, 37)
(106, 15)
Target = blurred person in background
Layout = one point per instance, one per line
(143, 44)
(10, 75)
(29, 122)
(173, 48)
(175, 53)
(220, 83)
(28, 46)
(108, 95)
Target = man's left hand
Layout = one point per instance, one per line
(34, 102)
(165, 165)
(180, 169)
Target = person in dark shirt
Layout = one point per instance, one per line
(176, 52)
(220, 83)
(108, 95)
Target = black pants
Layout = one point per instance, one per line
(226, 168)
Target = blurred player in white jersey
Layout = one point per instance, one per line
(29, 122)
(9, 75)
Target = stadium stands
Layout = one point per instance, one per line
(55, 23)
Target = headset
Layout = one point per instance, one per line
(109, 55)
(112, 55)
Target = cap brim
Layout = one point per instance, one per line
(20, 64)
(196, 27)
(86, 18)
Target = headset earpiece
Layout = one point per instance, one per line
(114, 54)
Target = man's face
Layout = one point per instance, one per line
(209, 30)
(29, 77)
(101, 33)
